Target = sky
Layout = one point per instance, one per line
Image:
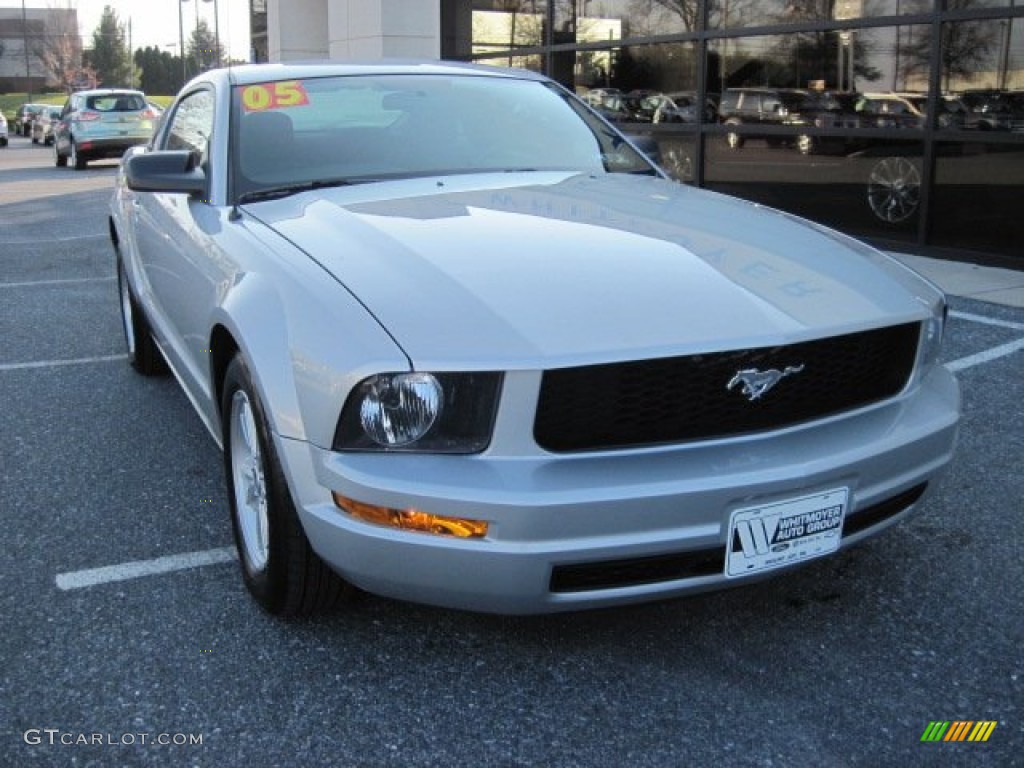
(155, 22)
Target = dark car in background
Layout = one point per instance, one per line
(887, 110)
(762, 106)
(42, 126)
(101, 124)
(827, 109)
(952, 114)
(990, 110)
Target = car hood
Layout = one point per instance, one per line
(529, 270)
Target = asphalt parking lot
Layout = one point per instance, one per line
(129, 639)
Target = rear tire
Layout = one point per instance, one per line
(143, 353)
(59, 160)
(279, 567)
(77, 159)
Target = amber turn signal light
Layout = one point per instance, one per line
(412, 519)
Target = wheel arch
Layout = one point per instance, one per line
(251, 322)
(223, 349)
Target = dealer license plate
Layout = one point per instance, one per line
(776, 535)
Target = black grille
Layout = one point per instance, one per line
(609, 574)
(677, 399)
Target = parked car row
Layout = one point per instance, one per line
(983, 110)
(972, 110)
(648, 106)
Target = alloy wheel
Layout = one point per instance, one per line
(250, 486)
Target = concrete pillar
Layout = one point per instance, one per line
(374, 29)
(297, 29)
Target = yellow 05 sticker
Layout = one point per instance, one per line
(280, 95)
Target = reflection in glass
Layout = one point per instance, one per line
(676, 156)
(874, 192)
(732, 14)
(643, 83)
(976, 198)
(474, 27)
(982, 54)
(515, 26)
(882, 59)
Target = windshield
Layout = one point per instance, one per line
(365, 128)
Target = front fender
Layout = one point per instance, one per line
(306, 339)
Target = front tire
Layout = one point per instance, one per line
(61, 161)
(279, 567)
(806, 145)
(733, 139)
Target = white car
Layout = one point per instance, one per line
(3, 130)
(461, 343)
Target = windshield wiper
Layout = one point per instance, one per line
(286, 190)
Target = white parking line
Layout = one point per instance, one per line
(139, 568)
(56, 363)
(59, 282)
(987, 356)
(69, 239)
(987, 320)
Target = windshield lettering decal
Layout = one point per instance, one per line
(281, 95)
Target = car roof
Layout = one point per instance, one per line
(248, 74)
(109, 92)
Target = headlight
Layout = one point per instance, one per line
(932, 333)
(397, 410)
(426, 412)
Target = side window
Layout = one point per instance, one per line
(192, 125)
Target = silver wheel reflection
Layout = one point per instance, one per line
(894, 189)
(678, 164)
(249, 484)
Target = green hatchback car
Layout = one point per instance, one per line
(101, 124)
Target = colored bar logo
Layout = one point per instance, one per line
(958, 730)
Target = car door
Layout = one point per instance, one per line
(174, 238)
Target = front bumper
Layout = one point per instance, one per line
(583, 514)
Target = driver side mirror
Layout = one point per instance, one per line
(165, 171)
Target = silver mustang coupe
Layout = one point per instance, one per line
(463, 344)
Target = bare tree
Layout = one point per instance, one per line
(59, 48)
(967, 47)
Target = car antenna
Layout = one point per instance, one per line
(234, 214)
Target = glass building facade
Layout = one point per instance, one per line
(899, 121)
